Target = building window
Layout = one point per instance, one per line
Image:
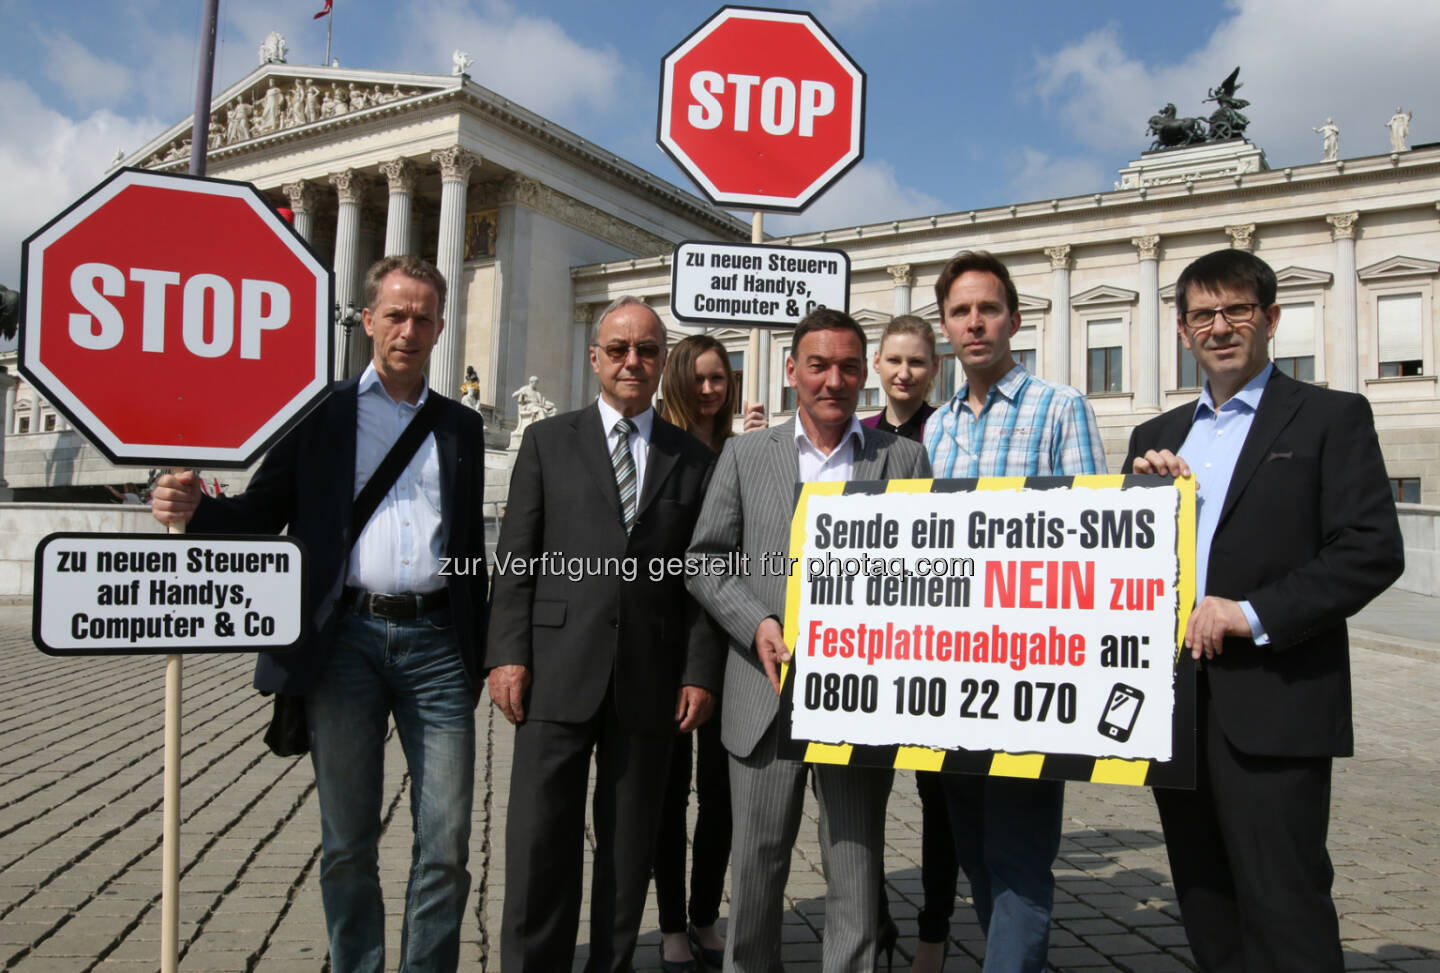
(1293, 347)
(737, 365)
(1105, 342)
(1022, 347)
(1187, 369)
(1398, 323)
(945, 384)
(871, 398)
(1405, 489)
(48, 421)
(22, 425)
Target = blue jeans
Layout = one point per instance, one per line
(1007, 834)
(412, 669)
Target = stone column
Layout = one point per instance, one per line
(400, 173)
(1242, 236)
(302, 203)
(1147, 336)
(904, 280)
(1058, 368)
(445, 366)
(8, 383)
(7, 419)
(349, 187)
(1344, 372)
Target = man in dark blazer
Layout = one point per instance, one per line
(397, 615)
(749, 508)
(1296, 531)
(595, 646)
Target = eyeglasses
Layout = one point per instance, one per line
(619, 352)
(1203, 318)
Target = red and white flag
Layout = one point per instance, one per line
(328, 5)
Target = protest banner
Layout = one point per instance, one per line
(1015, 626)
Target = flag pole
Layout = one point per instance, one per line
(329, 25)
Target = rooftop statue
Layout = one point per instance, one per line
(273, 48)
(1171, 132)
(1330, 132)
(1226, 122)
(1399, 126)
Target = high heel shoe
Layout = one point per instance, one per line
(711, 959)
(676, 965)
(925, 959)
(885, 940)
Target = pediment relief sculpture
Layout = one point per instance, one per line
(275, 103)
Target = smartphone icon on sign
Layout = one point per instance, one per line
(1120, 711)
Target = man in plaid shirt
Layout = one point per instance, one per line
(1005, 422)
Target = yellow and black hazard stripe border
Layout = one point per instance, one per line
(1179, 771)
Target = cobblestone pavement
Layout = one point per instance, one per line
(80, 800)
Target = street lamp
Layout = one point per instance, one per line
(348, 321)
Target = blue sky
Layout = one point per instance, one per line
(969, 104)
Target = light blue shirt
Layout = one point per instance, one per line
(1212, 449)
(1028, 427)
(398, 551)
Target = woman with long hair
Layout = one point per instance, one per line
(907, 365)
(698, 393)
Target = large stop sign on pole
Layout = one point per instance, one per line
(175, 320)
(762, 108)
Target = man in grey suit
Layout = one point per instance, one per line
(749, 506)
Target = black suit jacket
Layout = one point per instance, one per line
(1308, 534)
(564, 601)
(307, 483)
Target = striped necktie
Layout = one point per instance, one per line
(624, 464)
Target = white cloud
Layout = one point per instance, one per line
(1041, 176)
(1301, 61)
(868, 193)
(57, 160)
(88, 79)
(532, 60)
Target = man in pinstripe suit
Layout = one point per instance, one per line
(748, 507)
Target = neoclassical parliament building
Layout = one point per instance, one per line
(537, 229)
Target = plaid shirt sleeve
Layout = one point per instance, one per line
(1076, 448)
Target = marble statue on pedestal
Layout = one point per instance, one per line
(1399, 126)
(1330, 132)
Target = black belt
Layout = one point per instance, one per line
(395, 606)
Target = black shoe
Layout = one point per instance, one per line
(711, 959)
(676, 965)
(885, 940)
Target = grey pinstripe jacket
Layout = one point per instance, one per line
(748, 507)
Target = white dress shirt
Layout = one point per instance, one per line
(639, 439)
(399, 550)
(815, 466)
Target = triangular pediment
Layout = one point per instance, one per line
(1104, 294)
(306, 98)
(869, 318)
(1399, 267)
(1302, 277)
(723, 334)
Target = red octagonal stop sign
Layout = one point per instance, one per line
(762, 108)
(175, 320)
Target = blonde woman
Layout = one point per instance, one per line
(907, 365)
